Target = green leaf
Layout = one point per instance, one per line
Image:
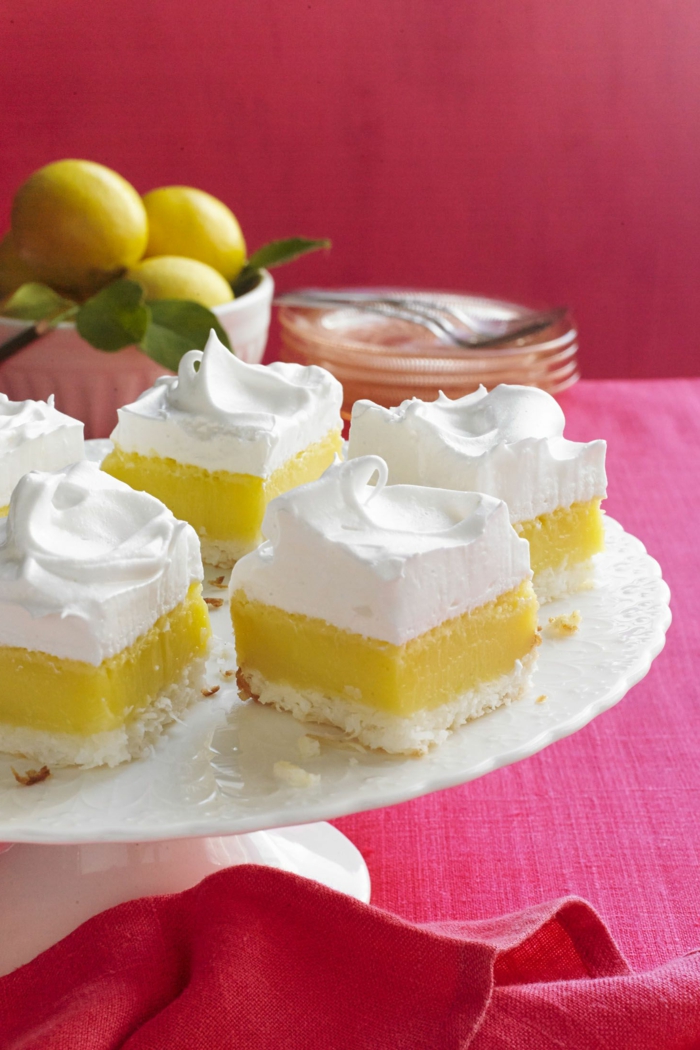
(278, 252)
(273, 254)
(177, 326)
(36, 302)
(245, 282)
(114, 318)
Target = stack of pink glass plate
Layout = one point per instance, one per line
(389, 360)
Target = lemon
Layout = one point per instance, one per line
(189, 222)
(78, 224)
(13, 271)
(174, 277)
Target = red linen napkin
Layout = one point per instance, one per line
(257, 958)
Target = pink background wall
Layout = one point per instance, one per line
(545, 150)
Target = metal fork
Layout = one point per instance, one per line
(433, 314)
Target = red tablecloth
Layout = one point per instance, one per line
(256, 959)
(611, 814)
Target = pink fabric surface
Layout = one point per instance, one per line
(611, 814)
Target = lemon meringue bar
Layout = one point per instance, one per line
(218, 442)
(508, 443)
(394, 613)
(34, 436)
(103, 630)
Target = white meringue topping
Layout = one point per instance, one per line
(220, 413)
(87, 564)
(508, 443)
(385, 562)
(35, 436)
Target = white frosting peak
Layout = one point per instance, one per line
(508, 443)
(35, 435)
(88, 564)
(386, 562)
(218, 385)
(20, 420)
(220, 413)
(480, 421)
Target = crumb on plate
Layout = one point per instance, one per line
(32, 776)
(295, 776)
(210, 690)
(215, 603)
(541, 699)
(308, 746)
(564, 625)
(218, 582)
(244, 690)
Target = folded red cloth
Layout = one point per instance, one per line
(257, 958)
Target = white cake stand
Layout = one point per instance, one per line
(207, 798)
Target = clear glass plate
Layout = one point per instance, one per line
(389, 360)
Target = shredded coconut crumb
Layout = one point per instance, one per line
(308, 746)
(295, 776)
(32, 776)
(244, 690)
(563, 626)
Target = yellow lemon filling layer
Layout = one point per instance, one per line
(565, 536)
(219, 504)
(43, 692)
(4, 511)
(425, 672)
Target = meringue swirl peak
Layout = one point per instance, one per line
(394, 558)
(508, 442)
(87, 564)
(221, 413)
(32, 434)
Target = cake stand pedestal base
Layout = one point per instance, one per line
(48, 891)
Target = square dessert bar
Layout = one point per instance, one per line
(34, 436)
(103, 629)
(223, 438)
(508, 443)
(395, 613)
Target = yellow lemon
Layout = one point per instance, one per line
(13, 271)
(78, 224)
(189, 222)
(174, 277)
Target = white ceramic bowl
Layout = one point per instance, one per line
(91, 385)
(247, 320)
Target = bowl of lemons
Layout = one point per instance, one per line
(102, 289)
